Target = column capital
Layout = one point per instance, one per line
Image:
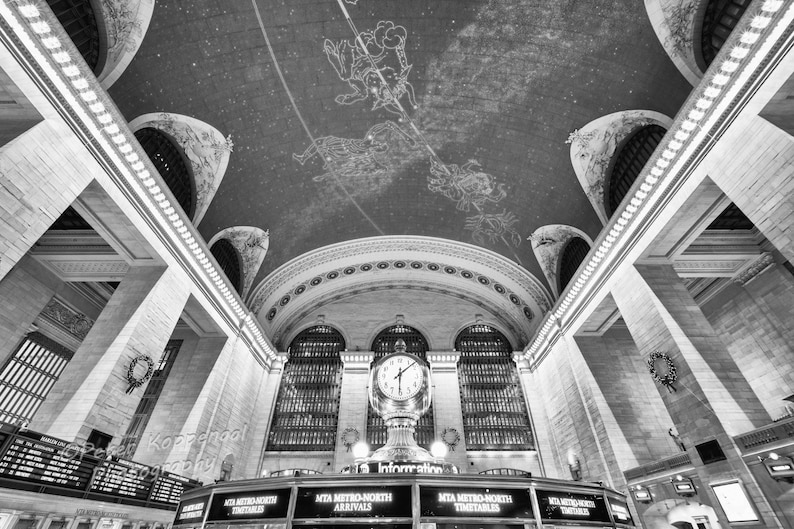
(443, 360)
(356, 359)
(277, 364)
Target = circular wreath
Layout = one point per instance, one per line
(140, 381)
(350, 437)
(667, 378)
(451, 437)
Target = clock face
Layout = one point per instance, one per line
(400, 377)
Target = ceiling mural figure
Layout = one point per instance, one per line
(375, 66)
(351, 157)
(494, 227)
(464, 185)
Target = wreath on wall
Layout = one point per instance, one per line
(451, 438)
(667, 378)
(350, 437)
(136, 382)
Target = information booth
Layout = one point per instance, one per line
(402, 501)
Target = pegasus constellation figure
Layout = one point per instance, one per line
(349, 157)
(375, 67)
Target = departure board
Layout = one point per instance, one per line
(168, 489)
(123, 480)
(36, 458)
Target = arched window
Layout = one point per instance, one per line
(731, 219)
(629, 161)
(494, 411)
(720, 18)
(168, 160)
(383, 344)
(307, 406)
(229, 260)
(78, 19)
(572, 256)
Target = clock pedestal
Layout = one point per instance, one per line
(400, 443)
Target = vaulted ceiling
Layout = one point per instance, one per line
(452, 124)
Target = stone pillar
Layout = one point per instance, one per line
(185, 387)
(91, 393)
(753, 168)
(544, 445)
(711, 400)
(353, 404)
(256, 441)
(447, 410)
(41, 174)
(24, 292)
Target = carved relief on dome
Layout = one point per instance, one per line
(125, 23)
(204, 146)
(674, 24)
(594, 146)
(252, 245)
(548, 243)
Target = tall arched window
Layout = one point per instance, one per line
(629, 161)
(168, 160)
(494, 411)
(307, 406)
(719, 19)
(78, 19)
(229, 260)
(572, 256)
(383, 344)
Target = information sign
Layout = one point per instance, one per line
(620, 511)
(559, 505)
(475, 502)
(249, 505)
(354, 502)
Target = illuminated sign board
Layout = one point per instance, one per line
(620, 511)
(558, 505)
(249, 505)
(40, 459)
(354, 502)
(401, 467)
(475, 502)
(192, 511)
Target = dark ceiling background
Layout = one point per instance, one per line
(502, 82)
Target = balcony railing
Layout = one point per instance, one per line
(779, 431)
(664, 465)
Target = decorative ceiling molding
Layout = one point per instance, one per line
(594, 146)
(125, 23)
(674, 24)
(548, 243)
(204, 146)
(447, 265)
(252, 244)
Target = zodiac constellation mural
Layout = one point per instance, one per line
(375, 66)
(350, 157)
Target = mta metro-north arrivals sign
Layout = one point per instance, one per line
(475, 502)
(354, 502)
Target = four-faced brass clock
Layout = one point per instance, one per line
(400, 377)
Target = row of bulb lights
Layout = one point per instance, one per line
(106, 122)
(690, 123)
